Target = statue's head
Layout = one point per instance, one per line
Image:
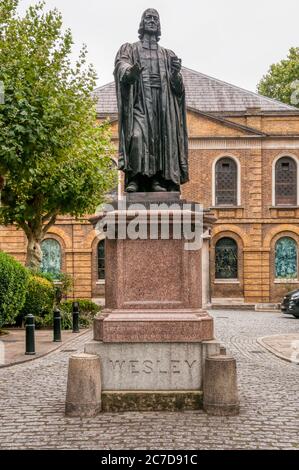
(150, 23)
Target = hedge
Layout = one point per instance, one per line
(40, 298)
(14, 279)
(87, 308)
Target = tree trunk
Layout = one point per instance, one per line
(34, 252)
(35, 231)
(2, 182)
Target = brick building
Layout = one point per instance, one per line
(244, 157)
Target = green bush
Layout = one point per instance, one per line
(63, 286)
(62, 282)
(66, 320)
(13, 284)
(87, 309)
(85, 306)
(39, 298)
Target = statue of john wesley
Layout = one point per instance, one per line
(153, 143)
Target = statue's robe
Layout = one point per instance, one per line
(152, 115)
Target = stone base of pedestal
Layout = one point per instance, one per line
(151, 400)
(152, 376)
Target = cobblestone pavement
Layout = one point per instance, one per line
(32, 401)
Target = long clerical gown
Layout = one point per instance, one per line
(152, 114)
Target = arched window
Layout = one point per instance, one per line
(51, 260)
(226, 182)
(286, 182)
(286, 258)
(226, 259)
(101, 259)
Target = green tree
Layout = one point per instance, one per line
(281, 81)
(53, 154)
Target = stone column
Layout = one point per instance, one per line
(220, 393)
(83, 396)
(205, 267)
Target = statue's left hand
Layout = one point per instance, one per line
(176, 65)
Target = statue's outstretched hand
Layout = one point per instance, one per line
(135, 72)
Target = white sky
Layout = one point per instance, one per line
(233, 40)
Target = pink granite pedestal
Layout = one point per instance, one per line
(152, 326)
(153, 298)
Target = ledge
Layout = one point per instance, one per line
(226, 207)
(284, 207)
(226, 281)
(286, 281)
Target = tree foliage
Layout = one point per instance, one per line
(282, 80)
(55, 158)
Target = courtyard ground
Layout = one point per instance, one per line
(32, 401)
(14, 345)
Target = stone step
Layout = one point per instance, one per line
(233, 307)
(227, 300)
(227, 303)
(267, 307)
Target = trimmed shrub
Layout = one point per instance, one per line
(87, 309)
(13, 284)
(66, 320)
(39, 298)
(63, 284)
(85, 306)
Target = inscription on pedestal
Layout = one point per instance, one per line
(148, 366)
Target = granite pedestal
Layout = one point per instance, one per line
(153, 335)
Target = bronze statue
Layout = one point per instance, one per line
(153, 141)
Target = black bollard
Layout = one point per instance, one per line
(56, 325)
(75, 317)
(30, 330)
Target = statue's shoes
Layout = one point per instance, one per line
(173, 187)
(132, 187)
(157, 187)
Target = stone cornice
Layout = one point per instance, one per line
(246, 142)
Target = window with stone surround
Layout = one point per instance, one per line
(226, 259)
(286, 182)
(101, 260)
(51, 260)
(226, 182)
(286, 258)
